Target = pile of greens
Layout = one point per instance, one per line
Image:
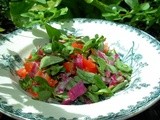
(73, 70)
(144, 14)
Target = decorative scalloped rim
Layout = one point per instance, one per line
(142, 105)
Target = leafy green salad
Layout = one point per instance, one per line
(73, 69)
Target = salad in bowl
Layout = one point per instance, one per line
(72, 69)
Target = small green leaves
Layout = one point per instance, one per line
(119, 86)
(134, 4)
(54, 34)
(99, 82)
(41, 1)
(26, 83)
(55, 69)
(50, 60)
(39, 33)
(1, 29)
(89, 1)
(144, 6)
(96, 42)
(123, 67)
(104, 91)
(102, 65)
(47, 48)
(93, 97)
(85, 76)
(44, 95)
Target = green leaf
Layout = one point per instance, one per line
(53, 33)
(120, 86)
(66, 51)
(85, 76)
(93, 97)
(115, 2)
(53, 3)
(41, 80)
(44, 95)
(89, 1)
(47, 48)
(102, 65)
(88, 44)
(38, 8)
(134, 4)
(50, 60)
(57, 46)
(42, 1)
(99, 82)
(122, 66)
(56, 69)
(93, 88)
(1, 29)
(112, 68)
(105, 91)
(144, 6)
(39, 33)
(126, 75)
(26, 83)
(62, 96)
(16, 9)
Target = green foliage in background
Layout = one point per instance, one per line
(143, 14)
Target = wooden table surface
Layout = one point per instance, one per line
(152, 113)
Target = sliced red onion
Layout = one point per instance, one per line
(116, 56)
(102, 55)
(62, 85)
(79, 61)
(113, 80)
(77, 90)
(108, 73)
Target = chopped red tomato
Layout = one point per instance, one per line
(89, 65)
(50, 81)
(85, 64)
(32, 93)
(22, 73)
(77, 45)
(28, 66)
(69, 66)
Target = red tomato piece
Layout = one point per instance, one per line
(77, 45)
(89, 65)
(69, 66)
(32, 93)
(28, 66)
(50, 81)
(22, 73)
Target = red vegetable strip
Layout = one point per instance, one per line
(76, 91)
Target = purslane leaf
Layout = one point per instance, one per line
(50, 60)
(134, 4)
(144, 6)
(54, 34)
(44, 95)
(42, 1)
